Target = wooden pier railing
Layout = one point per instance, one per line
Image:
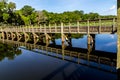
(82, 27)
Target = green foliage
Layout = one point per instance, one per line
(8, 51)
(11, 6)
(41, 16)
(25, 19)
(32, 18)
(5, 16)
(27, 10)
(28, 16)
(90, 16)
(2, 5)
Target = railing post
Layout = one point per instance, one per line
(55, 27)
(44, 28)
(32, 29)
(99, 26)
(69, 27)
(62, 37)
(88, 27)
(118, 39)
(78, 26)
(36, 28)
(17, 29)
(61, 28)
(21, 28)
(94, 24)
(113, 27)
(29, 29)
(40, 27)
(49, 28)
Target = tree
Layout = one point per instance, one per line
(32, 18)
(93, 15)
(27, 14)
(27, 10)
(41, 16)
(2, 7)
(11, 6)
(5, 17)
(26, 20)
(18, 18)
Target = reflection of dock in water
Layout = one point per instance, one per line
(91, 59)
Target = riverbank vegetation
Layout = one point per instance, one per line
(8, 51)
(27, 15)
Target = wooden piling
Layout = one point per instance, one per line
(26, 36)
(62, 35)
(88, 27)
(13, 36)
(19, 36)
(99, 26)
(118, 32)
(35, 37)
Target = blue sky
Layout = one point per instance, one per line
(104, 7)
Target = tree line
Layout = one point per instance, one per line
(27, 15)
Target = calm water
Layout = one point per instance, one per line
(31, 65)
(103, 42)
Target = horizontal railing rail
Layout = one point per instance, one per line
(89, 26)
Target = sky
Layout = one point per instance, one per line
(103, 7)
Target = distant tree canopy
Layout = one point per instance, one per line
(29, 16)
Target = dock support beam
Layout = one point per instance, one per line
(8, 35)
(91, 41)
(62, 35)
(69, 40)
(41, 38)
(36, 38)
(13, 36)
(26, 36)
(47, 39)
(19, 36)
(3, 35)
(118, 32)
(62, 40)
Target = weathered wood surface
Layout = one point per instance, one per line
(118, 32)
(82, 27)
(74, 29)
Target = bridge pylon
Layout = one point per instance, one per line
(19, 36)
(118, 32)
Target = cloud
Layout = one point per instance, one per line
(113, 7)
(110, 44)
(110, 10)
(112, 36)
(107, 45)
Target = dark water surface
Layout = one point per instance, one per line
(36, 65)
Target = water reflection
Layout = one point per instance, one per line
(103, 42)
(104, 61)
(9, 51)
(35, 59)
(106, 42)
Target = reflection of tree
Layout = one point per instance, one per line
(8, 51)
